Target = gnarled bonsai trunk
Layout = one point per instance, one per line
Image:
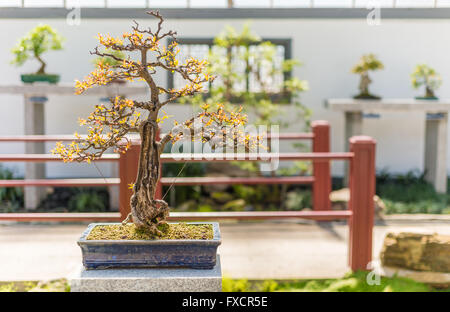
(148, 212)
(41, 70)
(364, 84)
(429, 93)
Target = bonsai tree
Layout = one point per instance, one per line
(39, 40)
(368, 62)
(423, 75)
(110, 123)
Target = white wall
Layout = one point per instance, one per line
(328, 48)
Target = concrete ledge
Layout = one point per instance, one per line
(417, 218)
(432, 278)
(148, 280)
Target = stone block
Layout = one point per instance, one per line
(419, 252)
(148, 280)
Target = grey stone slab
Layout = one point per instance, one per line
(148, 280)
(356, 105)
(69, 89)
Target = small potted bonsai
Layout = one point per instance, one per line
(38, 41)
(149, 241)
(424, 75)
(368, 62)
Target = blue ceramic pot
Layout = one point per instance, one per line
(190, 253)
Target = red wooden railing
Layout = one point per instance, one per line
(362, 185)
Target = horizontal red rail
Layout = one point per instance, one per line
(47, 157)
(218, 157)
(179, 216)
(61, 182)
(238, 180)
(37, 138)
(214, 157)
(261, 215)
(69, 137)
(164, 181)
(293, 136)
(60, 217)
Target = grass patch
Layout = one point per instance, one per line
(351, 282)
(60, 285)
(170, 231)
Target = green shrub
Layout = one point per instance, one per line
(298, 200)
(11, 198)
(87, 202)
(410, 193)
(205, 208)
(76, 199)
(410, 187)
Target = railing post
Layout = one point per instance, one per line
(362, 191)
(321, 169)
(128, 167)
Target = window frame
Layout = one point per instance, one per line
(285, 42)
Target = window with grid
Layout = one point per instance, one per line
(200, 48)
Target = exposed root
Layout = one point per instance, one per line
(151, 216)
(127, 219)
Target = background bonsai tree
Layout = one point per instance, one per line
(110, 61)
(39, 40)
(423, 75)
(368, 62)
(262, 85)
(110, 123)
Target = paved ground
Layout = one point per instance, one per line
(251, 250)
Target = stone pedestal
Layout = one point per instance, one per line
(148, 280)
(34, 124)
(436, 151)
(435, 130)
(353, 127)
